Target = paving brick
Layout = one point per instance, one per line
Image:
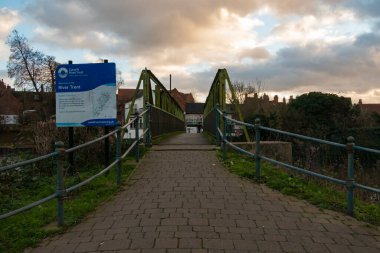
(268, 246)
(245, 245)
(115, 244)
(142, 243)
(190, 243)
(86, 247)
(150, 222)
(198, 222)
(184, 234)
(218, 244)
(166, 243)
(292, 247)
(336, 248)
(179, 199)
(174, 221)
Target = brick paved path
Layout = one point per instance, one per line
(185, 201)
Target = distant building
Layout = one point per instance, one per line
(10, 106)
(194, 117)
(124, 101)
(369, 107)
(182, 98)
(256, 104)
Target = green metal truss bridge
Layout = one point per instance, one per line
(162, 114)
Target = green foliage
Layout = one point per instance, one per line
(30, 226)
(319, 114)
(317, 192)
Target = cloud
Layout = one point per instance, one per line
(314, 45)
(143, 27)
(340, 67)
(8, 20)
(365, 8)
(368, 40)
(255, 53)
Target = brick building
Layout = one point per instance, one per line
(10, 106)
(369, 107)
(256, 104)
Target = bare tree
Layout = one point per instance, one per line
(49, 67)
(243, 89)
(119, 79)
(25, 64)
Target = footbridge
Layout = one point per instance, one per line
(181, 197)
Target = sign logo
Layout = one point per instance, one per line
(63, 72)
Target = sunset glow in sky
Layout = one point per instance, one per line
(293, 46)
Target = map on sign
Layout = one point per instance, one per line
(86, 95)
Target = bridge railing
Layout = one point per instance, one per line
(60, 153)
(350, 147)
(162, 122)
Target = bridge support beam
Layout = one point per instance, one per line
(217, 124)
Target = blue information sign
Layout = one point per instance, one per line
(86, 95)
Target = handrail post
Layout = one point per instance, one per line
(148, 141)
(118, 151)
(217, 136)
(137, 151)
(60, 149)
(350, 182)
(224, 135)
(106, 130)
(257, 148)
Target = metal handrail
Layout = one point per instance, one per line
(350, 147)
(367, 149)
(128, 150)
(307, 138)
(88, 180)
(299, 136)
(60, 152)
(129, 123)
(27, 207)
(302, 170)
(90, 142)
(33, 160)
(158, 108)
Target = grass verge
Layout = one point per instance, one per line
(315, 191)
(31, 227)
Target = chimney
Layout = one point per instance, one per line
(275, 99)
(290, 98)
(360, 102)
(284, 100)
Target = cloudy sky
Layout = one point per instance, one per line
(293, 46)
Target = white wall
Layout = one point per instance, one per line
(194, 119)
(9, 119)
(131, 131)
